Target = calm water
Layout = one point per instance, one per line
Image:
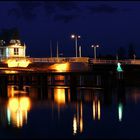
(92, 106)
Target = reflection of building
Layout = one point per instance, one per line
(17, 111)
(14, 90)
(59, 95)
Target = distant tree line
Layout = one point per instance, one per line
(121, 53)
(131, 53)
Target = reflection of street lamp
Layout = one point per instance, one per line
(95, 46)
(76, 38)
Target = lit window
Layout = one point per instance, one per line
(16, 51)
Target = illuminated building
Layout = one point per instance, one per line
(11, 45)
(12, 49)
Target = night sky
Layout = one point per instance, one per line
(110, 24)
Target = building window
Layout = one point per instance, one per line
(16, 51)
(2, 52)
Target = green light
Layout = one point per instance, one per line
(120, 111)
(119, 69)
(8, 115)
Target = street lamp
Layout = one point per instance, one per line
(95, 46)
(76, 37)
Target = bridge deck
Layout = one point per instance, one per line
(76, 59)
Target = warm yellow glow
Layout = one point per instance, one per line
(74, 125)
(17, 110)
(81, 125)
(12, 63)
(10, 71)
(23, 63)
(60, 67)
(24, 103)
(13, 104)
(19, 118)
(12, 91)
(81, 118)
(96, 109)
(18, 63)
(99, 110)
(59, 95)
(93, 110)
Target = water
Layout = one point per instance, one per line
(84, 106)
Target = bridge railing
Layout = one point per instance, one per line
(137, 62)
(60, 59)
(75, 59)
(101, 61)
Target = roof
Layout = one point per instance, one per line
(7, 35)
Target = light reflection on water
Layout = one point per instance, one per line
(57, 111)
(17, 110)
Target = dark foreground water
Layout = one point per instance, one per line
(91, 106)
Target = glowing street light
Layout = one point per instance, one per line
(76, 37)
(95, 46)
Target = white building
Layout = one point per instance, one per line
(11, 45)
(14, 48)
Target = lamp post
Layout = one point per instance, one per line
(95, 46)
(134, 56)
(76, 37)
(80, 51)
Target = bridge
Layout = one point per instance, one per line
(103, 61)
(84, 60)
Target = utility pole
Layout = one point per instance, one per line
(50, 48)
(80, 51)
(57, 53)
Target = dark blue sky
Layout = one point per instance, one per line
(111, 24)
